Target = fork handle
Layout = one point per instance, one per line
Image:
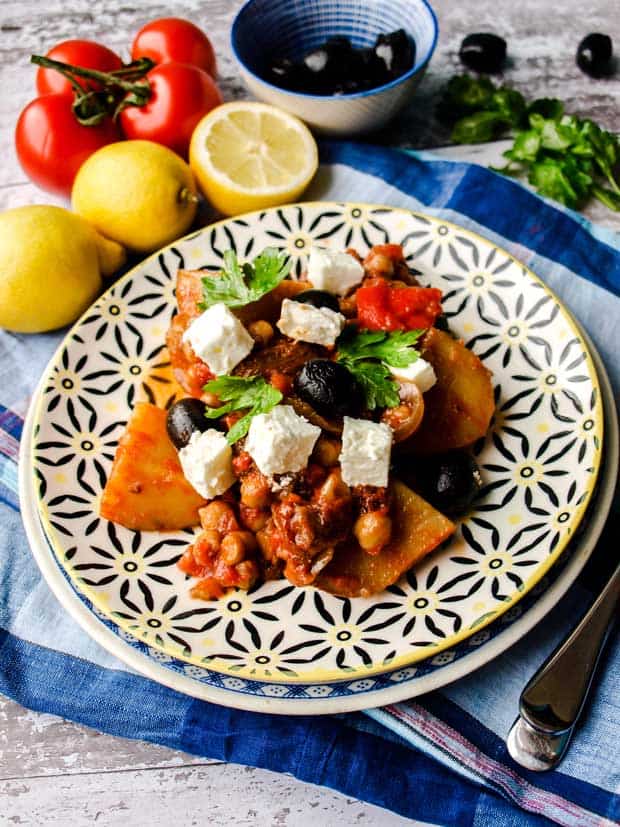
(553, 699)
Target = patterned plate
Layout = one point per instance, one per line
(540, 460)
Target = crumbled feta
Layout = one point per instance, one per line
(206, 461)
(307, 323)
(365, 455)
(419, 373)
(335, 272)
(280, 441)
(219, 339)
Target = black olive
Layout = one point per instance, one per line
(185, 417)
(328, 387)
(397, 51)
(594, 55)
(318, 298)
(286, 74)
(483, 52)
(449, 481)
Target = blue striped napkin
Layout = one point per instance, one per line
(440, 758)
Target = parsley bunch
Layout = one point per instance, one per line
(367, 354)
(240, 284)
(564, 157)
(241, 393)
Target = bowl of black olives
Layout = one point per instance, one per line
(344, 69)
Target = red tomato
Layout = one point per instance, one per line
(51, 145)
(383, 307)
(173, 39)
(84, 53)
(181, 95)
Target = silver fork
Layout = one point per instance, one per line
(553, 699)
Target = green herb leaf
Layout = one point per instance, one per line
(463, 95)
(547, 107)
(393, 348)
(525, 147)
(478, 128)
(240, 393)
(510, 104)
(238, 285)
(376, 382)
(367, 354)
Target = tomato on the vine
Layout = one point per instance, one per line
(51, 145)
(173, 39)
(180, 96)
(84, 53)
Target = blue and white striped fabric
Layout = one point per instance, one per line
(440, 758)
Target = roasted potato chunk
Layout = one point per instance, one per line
(458, 409)
(418, 528)
(146, 489)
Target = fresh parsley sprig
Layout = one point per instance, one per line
(239, 393)
(240, 284)
(367, 354)
(564, 157)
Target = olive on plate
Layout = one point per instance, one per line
(449, 482)
(594, 55)
(185, 417)
(318, 298)
(328, 387)
(483, 52)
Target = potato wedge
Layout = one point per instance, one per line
(146, 489)
(458, 409)
(418, 529)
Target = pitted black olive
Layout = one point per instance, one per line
(318, 298)
(594, 55)
(185, 417)
(397, 51)
(328, 387)
(450, 481)
(483, 52)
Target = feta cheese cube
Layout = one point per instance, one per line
(206, 461)
(307, 323)
(420, 373)
(280, 441)
(365, 455)
(219, 339)
(335, 272)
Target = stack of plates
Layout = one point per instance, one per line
(284, 649)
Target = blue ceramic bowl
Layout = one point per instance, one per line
(291, 28)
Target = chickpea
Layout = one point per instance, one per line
(248, 574)
(253, 518)
(255, 491)
(327, 451)
(211, 400)
(404, 419)
(219, 516)
(261, 331)
(334, 488)
(236, 546)
(372, 530)
(378, 264)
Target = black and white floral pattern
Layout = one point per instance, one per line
(539, 462)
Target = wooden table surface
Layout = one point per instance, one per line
(54, 772)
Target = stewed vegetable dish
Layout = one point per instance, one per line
(321, 428)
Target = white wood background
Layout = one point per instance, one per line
(54, 772)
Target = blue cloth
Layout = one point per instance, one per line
(440, 758)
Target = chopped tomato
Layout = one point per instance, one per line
(380, 306)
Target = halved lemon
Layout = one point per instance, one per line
(248, 156)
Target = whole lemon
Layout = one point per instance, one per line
(139, 193)
(51, 263)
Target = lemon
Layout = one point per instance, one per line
(248, 156)
(51, 263)
(139, 193)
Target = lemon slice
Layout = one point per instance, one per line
(248, 156)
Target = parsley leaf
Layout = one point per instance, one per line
(238, 284)
(240, 393)
(393, 348)
(376, 382)
(367, 354)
